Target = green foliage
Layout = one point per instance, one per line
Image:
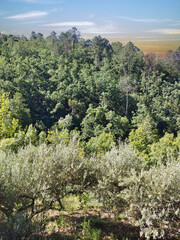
(83, 199)
(159, 99)
(42, 137)
(88, 232)
(36, 177)
(142, 138)
(94, 122)
(98, 92)
(154, 197)
(49, 79)
(31, 136)
(100, 144)
(19, 110)
(61, 221)
(99, 120)
(115, 169)
(57, 136)
(13, 144)
(165, 149)
(8, 125)
(18, 227)
(65, 123)
(8, 144)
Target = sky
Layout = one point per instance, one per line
(152, 25)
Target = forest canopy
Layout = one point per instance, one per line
(113, 86)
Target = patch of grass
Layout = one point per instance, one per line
(89, 233)
(71, 203)
(61, 222)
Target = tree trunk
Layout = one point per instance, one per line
(127, 103)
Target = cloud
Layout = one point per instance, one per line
(146, 20)
(175, 24)
(69, 24)
(86, 27)
(165, 31)
(55, 10)
(96, 30)
(101, 29)
(33, 14)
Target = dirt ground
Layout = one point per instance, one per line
(89, 224)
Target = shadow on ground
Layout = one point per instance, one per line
(72, 226)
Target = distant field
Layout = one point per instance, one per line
(158, 47)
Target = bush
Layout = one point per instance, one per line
(155, 201)
(165, 149)
(100, 144)
(142, 138)
(8, 144)
(31, 136)
(13, 144)
(115, 170)
(151, 196)
(56, 136)
(33, 179)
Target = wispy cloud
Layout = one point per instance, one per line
(69, 24)
(165, 31)
(55, 10)
(146, 20)
(107, 27)
(32, 14)
(99, 31)
(86, 27)
(175, 24)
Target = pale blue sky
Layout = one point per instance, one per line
(138, 20)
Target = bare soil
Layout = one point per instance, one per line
(70, 226)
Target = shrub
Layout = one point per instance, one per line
(165, 149)
(100, 144)
(8, 125)
(31, 136)
(151, 196)
(8, 144)
(115, 169)
(143, 137)
(12, 144)
(155, 200)
(33, 179)
(56, 136)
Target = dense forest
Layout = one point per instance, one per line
(90, 119)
